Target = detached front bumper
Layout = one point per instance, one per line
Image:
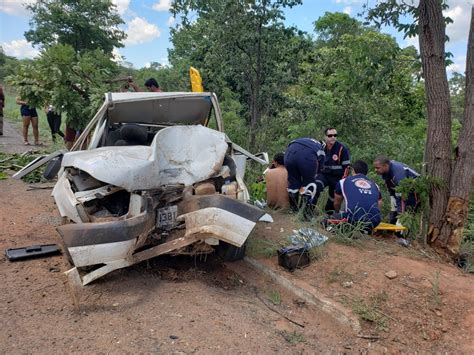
(98, 243)
(219, 217)
(114, 244)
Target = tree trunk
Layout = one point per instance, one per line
(438, 143)
(451, 232)
(255, 95)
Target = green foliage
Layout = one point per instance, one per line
(331, 27)
(360, 82)
(17, 161)
(249, 52)
(435, 290)
(457, 88)
(293, 337)
(8, 64)
(83, 25)
(403, 15)
(467, 245)
(421, 186)
(347, 232)
(72, 82)
(258, 191)
(369, 311)
(263, 248)
(274, 297)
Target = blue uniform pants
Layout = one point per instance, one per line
(301, 162)
(323, 180)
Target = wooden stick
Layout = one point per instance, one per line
(373, 337)
(274, 310)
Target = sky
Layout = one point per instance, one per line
(148, 22)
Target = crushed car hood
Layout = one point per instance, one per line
(177, 155)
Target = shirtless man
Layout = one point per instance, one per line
(277, 183)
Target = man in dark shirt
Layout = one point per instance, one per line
(151, 85)
(393, 172)
(335, 165)
(303, 159)
(361, 196)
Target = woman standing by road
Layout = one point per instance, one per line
(29, 114)
(54, 121)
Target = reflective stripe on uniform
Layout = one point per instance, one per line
(393, 204)
(310, 190)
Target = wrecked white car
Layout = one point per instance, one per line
(152, 174)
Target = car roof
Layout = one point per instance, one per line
(167, 108)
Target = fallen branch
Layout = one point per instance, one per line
(32, 187)
(371, 337)
(274, 310)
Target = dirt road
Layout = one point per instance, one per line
(12, 141)
(174, 306)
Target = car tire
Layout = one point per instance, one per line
(229, 252)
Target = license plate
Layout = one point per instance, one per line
(167, 216)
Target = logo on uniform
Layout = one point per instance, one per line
(335, 157)
(363, 184)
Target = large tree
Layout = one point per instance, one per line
(84, 24)
(72, 82)
(241, 44)
(360, 81)
(451, 169)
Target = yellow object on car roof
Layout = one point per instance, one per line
(196, 80)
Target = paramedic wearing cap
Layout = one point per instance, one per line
(303, 159)
(361, 196)
(335, 165)
(393, 172)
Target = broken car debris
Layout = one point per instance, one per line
(148, 176)
(34, 251)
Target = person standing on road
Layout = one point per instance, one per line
(393, 172)
(2, 105)
(54, 121)
(29, 115)
(304, 158)
(335, 167)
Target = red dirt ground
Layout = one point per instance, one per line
(209, 307)
(206, 307)
(429, 306)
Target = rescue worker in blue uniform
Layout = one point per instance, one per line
(335, 166)
(362, 198)
(304, 158)
(393, 172)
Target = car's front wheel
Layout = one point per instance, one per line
(229, 252)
